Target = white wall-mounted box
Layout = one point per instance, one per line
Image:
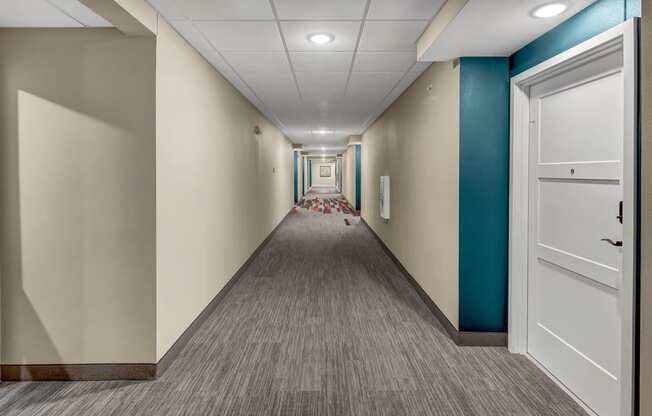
(384, 197)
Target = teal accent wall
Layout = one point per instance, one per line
(358, 177)
(309, 173)
(484, 193)
(633, 9)
(303, 176)
(484, 160)
(296, 177)
(593, 20)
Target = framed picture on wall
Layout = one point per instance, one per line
(325, 171)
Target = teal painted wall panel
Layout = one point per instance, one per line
(633, 8)
(595, 19)
(309, 173)
(484, 159)
(358, 177)
(296, 177)
(303, 176)
(484, 193)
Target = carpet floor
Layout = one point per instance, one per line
(321, 323)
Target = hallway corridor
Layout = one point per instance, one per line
(321, 323)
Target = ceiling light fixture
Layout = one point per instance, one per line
(323, 148)
(549, 10)
(322, 131)
(321, 38)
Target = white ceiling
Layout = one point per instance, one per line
(48, 13)
(496, 31)
(262, 47)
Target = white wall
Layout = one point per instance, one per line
(348, 179)
(77, 131)
(416, 143)
(317, 179)
(306, 183)
(217, 196)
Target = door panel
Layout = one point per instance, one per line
(569, 212)
(574, 311)
(585, 135)
(561, 292)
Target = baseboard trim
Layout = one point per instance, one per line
(77, 372)
(461, 338)
(104, 372)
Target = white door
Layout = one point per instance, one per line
(575, 254)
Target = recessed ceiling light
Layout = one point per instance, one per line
(322, 131)
(549, 10)
(321, 38)
(323, 148)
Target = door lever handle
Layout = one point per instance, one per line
(612, 242)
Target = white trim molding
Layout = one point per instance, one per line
(622, 37)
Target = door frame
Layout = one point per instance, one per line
(625, 37)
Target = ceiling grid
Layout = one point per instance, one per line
(320, 94)
(317, 94)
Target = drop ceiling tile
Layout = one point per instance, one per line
(249, 95)
(421, 66)
(237, 83)
(296, 35)
(320, 9)
(391, 36)
(228, 9)
(194, 37)
(384, 61)
(221, 66)
(404, 9)
(321, 61)
(33, 13)
(409, 79)
(280, 81)
(304, 115)
(321, 87)
(273, 88)
(373, 117)
(170, 9)
(403, 85)
(372, 85)
(258, 61)
(355, 110)
(298, 131)
(219, 63)
(242, 36)
(81, 13)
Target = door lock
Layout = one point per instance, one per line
(612, 242)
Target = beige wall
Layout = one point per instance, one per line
(348, 179)
(305, 175)
(646, 213)
(416, 143)
(317, 180)
(77, 130)
(220, 188)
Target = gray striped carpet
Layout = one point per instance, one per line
(321, 323)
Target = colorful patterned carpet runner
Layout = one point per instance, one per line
(326, 205)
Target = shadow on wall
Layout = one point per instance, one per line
(15, 298)
(66, 270)
(77, 123)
